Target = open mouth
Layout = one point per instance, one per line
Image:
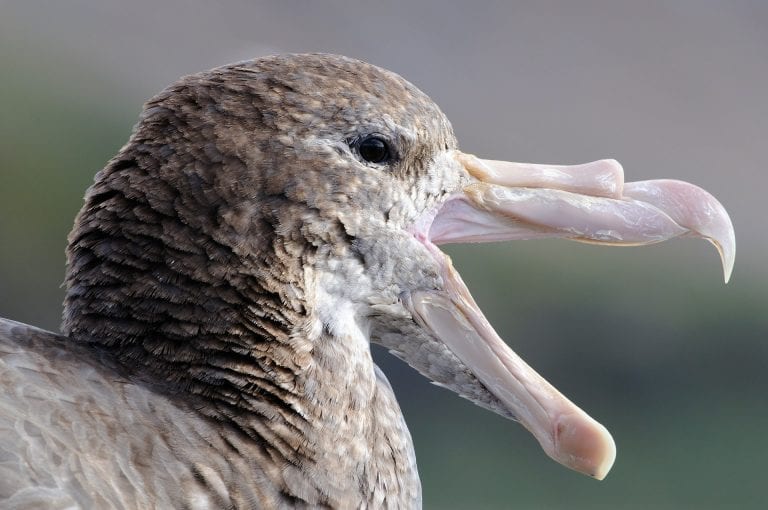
(587, 203)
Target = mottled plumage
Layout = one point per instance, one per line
(226, 274)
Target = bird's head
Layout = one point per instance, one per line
(330, 183)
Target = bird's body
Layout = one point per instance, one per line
(71, 422)
(78, 432)
(264, 224)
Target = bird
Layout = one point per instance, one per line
(265, 223)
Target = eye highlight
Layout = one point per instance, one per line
(374, 149)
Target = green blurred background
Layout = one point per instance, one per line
(649, 340)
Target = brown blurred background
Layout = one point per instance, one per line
(648, 340)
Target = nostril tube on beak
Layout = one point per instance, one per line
(603, 178)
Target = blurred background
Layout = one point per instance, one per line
(647, 340)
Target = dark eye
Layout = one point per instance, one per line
(374, 149)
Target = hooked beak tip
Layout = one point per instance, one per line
(726, 257)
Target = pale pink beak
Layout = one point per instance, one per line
(588, 203)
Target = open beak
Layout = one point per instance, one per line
(588, 203)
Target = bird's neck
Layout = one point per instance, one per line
(218, 310)
(304, 400)
(308, 404)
